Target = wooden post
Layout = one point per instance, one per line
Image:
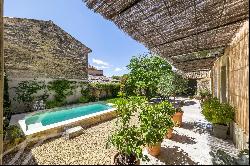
(1, 80)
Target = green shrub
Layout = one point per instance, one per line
(83, 99)
(127, 139)
(155, 120)
(167, 108)
(53, 104)
(112, 100)
(62, 89)
(216, 112)
(13, 132)
(26, 90)
(96, 89)
(13, 136)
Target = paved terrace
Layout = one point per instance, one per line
(191, 144)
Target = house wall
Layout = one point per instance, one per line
(203, 84)
(20, 107)
(38, 49)
(230, 83)
(203, 79)
(95, 72)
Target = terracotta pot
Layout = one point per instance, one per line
(169, 133)
(177, 118)
(154, 150)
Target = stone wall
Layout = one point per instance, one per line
(95, 72)
(36, 48)
(198, 74)
(203, 79)
(230, 82)
(203, 84)
(20, 107)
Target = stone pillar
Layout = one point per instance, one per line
(1, 79)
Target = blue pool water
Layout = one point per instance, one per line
(50, 117)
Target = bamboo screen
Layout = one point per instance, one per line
(177, 28)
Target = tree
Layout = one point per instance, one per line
(116, 77)
(145, 73)
(165, 88)
(171, 85)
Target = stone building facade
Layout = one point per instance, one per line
(203, 79)
(36, 48)
(42, 51)
(94, 71)
(230, 83)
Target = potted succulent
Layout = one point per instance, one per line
(219, 114)
(127, 139)
(154, 123)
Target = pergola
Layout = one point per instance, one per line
(190, 34)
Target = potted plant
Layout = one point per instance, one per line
(171, 85)
(127, 139)
(128, 142)
(219, 114)
(177, 117)
(167, 107)
(154, 123)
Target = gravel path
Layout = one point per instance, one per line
(191, 144)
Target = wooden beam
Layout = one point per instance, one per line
(1, 80)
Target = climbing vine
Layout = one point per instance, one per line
(62, 89)
(111, 90)
(26, 90)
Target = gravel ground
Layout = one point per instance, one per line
(191, 144)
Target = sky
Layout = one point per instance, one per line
(111, 48)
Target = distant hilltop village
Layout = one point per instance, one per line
(95, 75)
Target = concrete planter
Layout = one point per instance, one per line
(220, 131)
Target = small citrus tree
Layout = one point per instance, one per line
(171, 85)
(145, 73)
(128, 138)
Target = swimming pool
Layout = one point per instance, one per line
(44, 120)
(48, 118)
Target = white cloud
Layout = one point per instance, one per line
(101, 67)
(118, 69)
(100, 62)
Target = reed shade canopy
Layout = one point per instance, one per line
(178, 30)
